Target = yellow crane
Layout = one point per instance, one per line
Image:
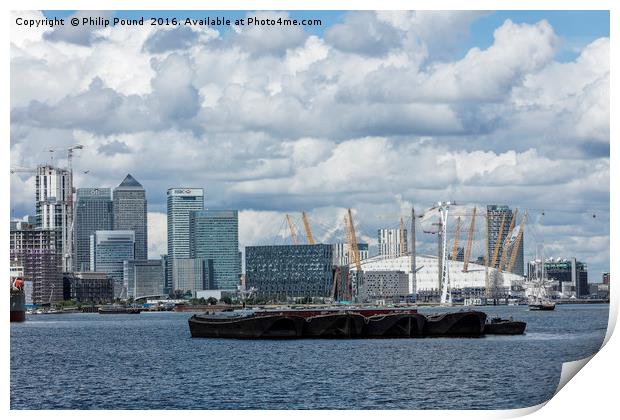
(353, 243)
(515, 246)
(498, 241)
(502, 261)
(457, 235)
(292, 229)
(309, 236)
(470, 237)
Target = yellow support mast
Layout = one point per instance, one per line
(309, 236)
(457, 235)
(515, 246)
(292, 229)
(470, 237)
(353, 244)
(504, 258)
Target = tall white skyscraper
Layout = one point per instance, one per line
(181, 201)
(54, 208)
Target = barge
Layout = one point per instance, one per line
(347, 322)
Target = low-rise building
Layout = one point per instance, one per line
(143, 278)
(89, 287)
(389, 285)
(285, 272)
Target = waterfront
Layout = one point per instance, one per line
(149, 361)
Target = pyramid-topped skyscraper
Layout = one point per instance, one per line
(129, 202)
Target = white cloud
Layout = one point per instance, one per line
(377, 113)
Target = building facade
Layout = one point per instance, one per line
(391, 285)
(571, 275)
(495, 215)
(189, 275)
(143, 278)
(89, 287)
(34, 250)
(129, 204)
(214, 237)
(342, 255)
(53, 203)
(180, 202)
(289, 271)
(93, 211)
(389, 242)
(108, 250)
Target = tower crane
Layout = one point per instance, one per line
(402, 237)
(292, 229)
(309, 236)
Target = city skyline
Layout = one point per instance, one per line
(533, 134)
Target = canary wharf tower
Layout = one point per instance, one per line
(129, 203)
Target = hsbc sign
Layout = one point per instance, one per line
(185, 191)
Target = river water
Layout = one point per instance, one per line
(149, 361)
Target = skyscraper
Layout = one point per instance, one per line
(93, 211)
(495, 215)
(214, 237)
(129, 203)
(181, 201)
(109, 249)
(389, 242)
(53, 202)
(34, 250)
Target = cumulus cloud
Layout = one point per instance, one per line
(376, 113)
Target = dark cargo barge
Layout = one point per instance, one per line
(338, 323)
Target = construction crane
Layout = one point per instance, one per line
(498, 241)
(292, 229)
(503, 259)
(517, 243)
(309, 236)
(457, 234)
(470, 237)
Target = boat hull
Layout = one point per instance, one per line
(456, 324)
(270, 326)
(395, 326)
(542, 307)
(18, 306)
(348, 325)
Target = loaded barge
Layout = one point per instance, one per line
(338, 323)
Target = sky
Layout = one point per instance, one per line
(376, 111)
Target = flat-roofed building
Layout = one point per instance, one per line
(283, 272)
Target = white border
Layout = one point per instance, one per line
(591, 394)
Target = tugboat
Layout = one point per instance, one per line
(18, 301)
(499, 326)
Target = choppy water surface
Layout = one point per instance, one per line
(149, 361)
